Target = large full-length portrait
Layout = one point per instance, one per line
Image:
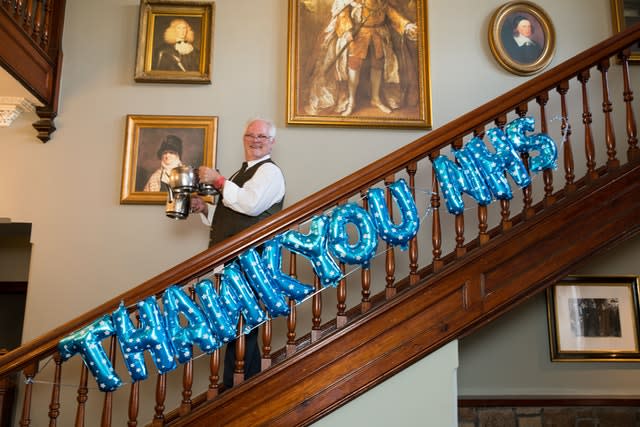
(174, 42)
(626, 13)
(156, 144)
(521, 37)
(358, 63)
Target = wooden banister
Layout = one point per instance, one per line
(31, 52)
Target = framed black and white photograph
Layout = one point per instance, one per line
(593, 318)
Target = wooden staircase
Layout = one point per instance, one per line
(459, 273)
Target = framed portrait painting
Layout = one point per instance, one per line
(174, 42)
(594, 318)
(521, 37)
(358, 63)
(156, 144)
(626, 13)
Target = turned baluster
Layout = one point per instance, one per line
(341, 291)
(240, 343)
(37, 27)
(48, 16)
(161, 395)
(134, 404)
(29, 372)
(459, 220)
(547, 174)
(341, 295)
(291, 318)
(610, 137)
(266, 335)
(214, 359)
(134, 394)
(187, 375)
(54, 406)
(633, 153)
(83, 396)
(316, 309)
(527, 193)
(107, 406)
(390, 255)
(505, 204)
(412, 168)
(17, 9)
(565, 130)
(27, 19)
(365, 272)
(187, 383)
(436, 227)
(483, 226)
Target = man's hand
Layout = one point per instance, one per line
(207, 175)
(411, 30)
(198, 205)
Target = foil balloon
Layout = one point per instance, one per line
(391, 233)
(151, 336)
(540, 142)
(314, 247)
(88, 342)
(260, 281)
(213, 308)
(454, 181)
(197, 331)
(493, 167)
(363, 250)
(272, 259)
(506, 151)
(238, 297)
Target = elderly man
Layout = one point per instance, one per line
(252, 193)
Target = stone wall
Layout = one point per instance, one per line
(547, 416)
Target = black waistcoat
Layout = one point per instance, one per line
(227, 222)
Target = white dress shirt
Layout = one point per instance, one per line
(258, 194)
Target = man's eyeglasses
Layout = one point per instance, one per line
(260, 138)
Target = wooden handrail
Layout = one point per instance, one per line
(327, 197)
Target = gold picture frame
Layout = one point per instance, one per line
(521, 37)
(194, 138)
(626, 13)
(330, 83)
(594, 319)
(174, 42)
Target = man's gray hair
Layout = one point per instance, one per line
(269, 122)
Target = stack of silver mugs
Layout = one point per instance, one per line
(183, 180)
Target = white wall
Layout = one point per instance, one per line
(88, 248)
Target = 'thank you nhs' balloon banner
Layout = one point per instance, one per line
(250, 285)
(255, 282)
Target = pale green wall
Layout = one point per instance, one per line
(88, 248)
(511, 355)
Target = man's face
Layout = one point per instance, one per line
(169, 157)
(524, 28)
(181, 31)
(257, 140)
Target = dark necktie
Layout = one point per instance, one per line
(244, 167)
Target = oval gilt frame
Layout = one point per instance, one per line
(501, 38)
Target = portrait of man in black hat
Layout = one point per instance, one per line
(162, 149)
(169, 154)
